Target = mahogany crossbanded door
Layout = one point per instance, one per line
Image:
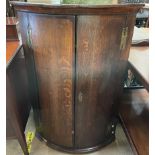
(99, 71)
(51, 39)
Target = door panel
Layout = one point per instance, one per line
(52, 39)
(98, 76)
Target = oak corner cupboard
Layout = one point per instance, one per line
(76, 55)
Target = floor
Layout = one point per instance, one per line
(119, 147)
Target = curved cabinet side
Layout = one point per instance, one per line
(52, 45)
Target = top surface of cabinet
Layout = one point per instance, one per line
(78, 6)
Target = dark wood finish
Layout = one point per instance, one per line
(77, 9)
(73, 61)
(11, 29)
(17, 96)
(10, 132)
(54, 71)
(75, 149)
(134, 113)
(12, 108)
(11, 33)
(97, 72)
(12, 49)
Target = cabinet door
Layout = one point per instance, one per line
(98, 72)
(52, 41)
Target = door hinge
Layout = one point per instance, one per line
(80, 97)
(123, 38)
(29, 36)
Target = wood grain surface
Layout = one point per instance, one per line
(98, 75)
(77, 9)
(11, 49)
(76, 57)
(54, 57)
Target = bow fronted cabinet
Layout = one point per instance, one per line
(76, 55)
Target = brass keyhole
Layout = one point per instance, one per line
(80, 97)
